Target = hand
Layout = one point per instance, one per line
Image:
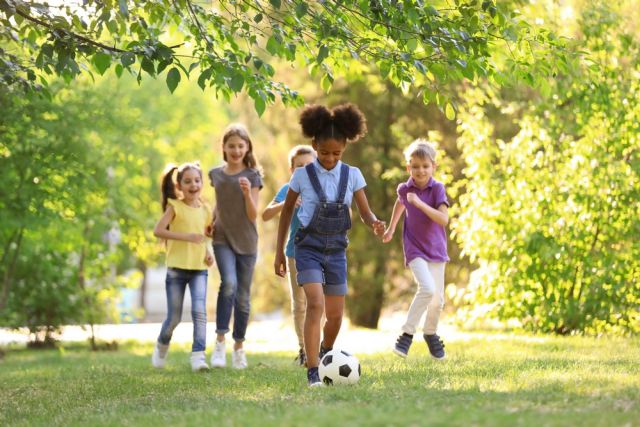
(378, 227)
(280, 265)
(208, 259)
(298, 201)
(195, 238)
(413, 199)
(387, 236)
(245, 185)
(209, 229)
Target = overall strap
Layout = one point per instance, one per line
(315, 183)
(344, 182)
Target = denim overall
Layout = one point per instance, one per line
(320, 246)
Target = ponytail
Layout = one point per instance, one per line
(168, 185)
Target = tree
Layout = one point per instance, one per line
(550, 212)
(230, 45)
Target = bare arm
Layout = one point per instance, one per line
(366, 215)
(251, 195)
(439, 216)
(280, 264)
(273, 209)
(398, 210)
(162, 232)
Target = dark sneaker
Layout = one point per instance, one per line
(323, 351)
(402, 345)
(301, 358)
(436, 346)
(313, 378)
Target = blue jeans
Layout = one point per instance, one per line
(176, 284)
(236, 273)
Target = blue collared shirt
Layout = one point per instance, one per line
(329, 180)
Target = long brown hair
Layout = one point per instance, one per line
(168, 183)
(239, 130)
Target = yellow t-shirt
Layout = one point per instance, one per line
(187, 219)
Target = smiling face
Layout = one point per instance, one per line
(421, 170)
(235, 149)
(329, 152)
(190, 184)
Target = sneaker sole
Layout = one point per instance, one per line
(439, 358)
(399, 353)
(318, 384)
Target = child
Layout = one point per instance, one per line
(299, 156)
(326, 188)
(425, 244)
(235, 240)
(182, 226)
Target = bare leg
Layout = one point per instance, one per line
(315, 308)
(334, 309)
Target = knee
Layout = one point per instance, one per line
(198, 315)
(426, 290)
(315, 307)
(228, 287)
(334, 318)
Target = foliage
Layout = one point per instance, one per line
(550, 212)
(492, 380)
(59, 203)
(231, 45)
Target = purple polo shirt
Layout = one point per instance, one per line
(421, 236)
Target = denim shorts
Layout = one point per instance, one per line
(322, 259)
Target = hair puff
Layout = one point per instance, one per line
(314, 119)
(350, 121)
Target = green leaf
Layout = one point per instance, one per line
(173, 78)
(326, 82)
(204, 76)
(323, 53)
(259, 104)
(257, 18)
(102, 61)
(449, 111)
(119, 69)
(275, 3)
(273, 47)
(127, 59)
(236, 82)
(147, 65)
(301, 9)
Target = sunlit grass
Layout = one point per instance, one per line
(506, 381)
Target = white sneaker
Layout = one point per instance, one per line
(238, 359)
(198, 361)
(159, 356)
(219, 355)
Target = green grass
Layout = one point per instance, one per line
(494, 380)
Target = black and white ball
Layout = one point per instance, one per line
(339, 367)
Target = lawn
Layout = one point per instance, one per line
(494, 380)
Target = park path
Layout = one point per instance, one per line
(265, 334)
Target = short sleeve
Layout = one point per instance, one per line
(440, 195)
(212, 180)
(402, 193)
(282, 194)
(357, 179)
(295, 182)
(256, 180)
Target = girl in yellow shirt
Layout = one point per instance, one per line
(188, 256)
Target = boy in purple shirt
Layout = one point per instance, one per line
(425, 244)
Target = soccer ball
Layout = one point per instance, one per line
(339, 367)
